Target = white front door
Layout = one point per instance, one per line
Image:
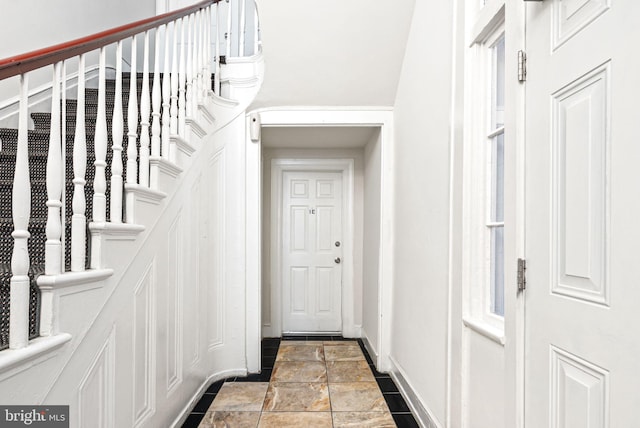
(582, 341)
(312, 251)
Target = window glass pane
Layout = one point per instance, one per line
(497, 179)
(497, 96)
(497, 270)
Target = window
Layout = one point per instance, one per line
(484, 175)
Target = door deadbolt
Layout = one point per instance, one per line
(337, 243)
(337, 260)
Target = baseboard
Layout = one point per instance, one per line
(373, 353)
(200, 392)
(423, 414)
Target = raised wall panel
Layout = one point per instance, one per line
(324, 189)
(174, 305)
(299, 287)
(579, 392)
(299, 189)
(144, 349)
(581, 194)
(324, 289)
(96, 392)
(299, 228)
(216, 249)
(324, 228)
(571, 16)
(195, 238)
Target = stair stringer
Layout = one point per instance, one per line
(101, 316)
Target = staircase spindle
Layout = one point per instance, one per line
(53, 246)
(182, 80)
(166, 94)
(100, 145)
(198, 41)
(156, 98)
(132, 118)
(216, 77)
(190, 43)
(21, 210)
(117, 132)
(79, 203)
(145, 112)
(228, 33)
(242, 27)
(207, 51)
(174, 86)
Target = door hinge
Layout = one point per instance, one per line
(522, 66)
(522, 278)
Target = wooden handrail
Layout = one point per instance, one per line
(23, 63)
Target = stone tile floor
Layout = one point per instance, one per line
(307, 382)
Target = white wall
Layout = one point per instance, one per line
(421, 222)
(333, 52)
(268, 155)
(371, 241)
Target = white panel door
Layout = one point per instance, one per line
(582, 342)
(312, 251)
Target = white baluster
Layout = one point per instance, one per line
(132, 119)
(145, 111)
(156, 99)
(53, 246)
(174, 86)
(207, 51)
(190, 41)
(228, 35)
(166, 95)
(117, 132)
(182, 79)
(79, 203)
(216, 77)
(100, 146)
(256, 31)
(242, 27)
(21, 210)
(198, 60)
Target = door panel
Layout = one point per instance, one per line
(582, 208)
(312, 224)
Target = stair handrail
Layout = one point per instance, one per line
(23, 63)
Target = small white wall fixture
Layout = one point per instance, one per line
(349, 117)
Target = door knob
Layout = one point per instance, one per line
(337, 260)
(337, 243)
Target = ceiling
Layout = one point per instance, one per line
(326, 137)
(332, 52)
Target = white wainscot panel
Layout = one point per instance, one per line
(581, 193)
(299, 287)
(571, 16)
(579, 394)
(144, 351)
(174, 306)
(217, 239)
(97, 389)
(194, 289)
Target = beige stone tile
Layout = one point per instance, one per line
(240, 396)
(295, 420)
(363, 420)
(300, 353)
(340, 343)
(224, 419)
(349, 371)
(343, 353)
(297, 397)
(299, 371)
(357, 397)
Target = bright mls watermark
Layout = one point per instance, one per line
(34, 416)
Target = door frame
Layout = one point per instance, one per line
(346, 167)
